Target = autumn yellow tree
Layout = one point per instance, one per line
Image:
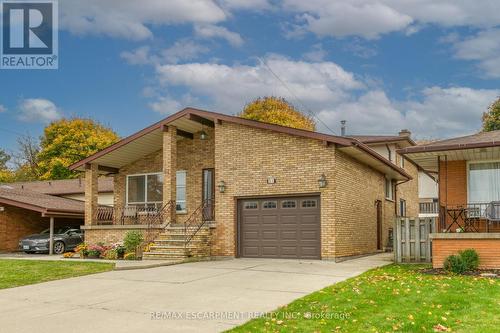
(277, 110)
(491, 118)
(67, 141)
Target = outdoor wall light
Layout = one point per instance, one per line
(322, 181)
(203, 135)
(222, 186)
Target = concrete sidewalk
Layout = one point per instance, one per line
(167, 299)
(119, 264)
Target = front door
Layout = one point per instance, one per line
(208, 193)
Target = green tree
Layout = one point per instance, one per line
(67, 141)
(277, 110)
(491, 118)
(4, 158)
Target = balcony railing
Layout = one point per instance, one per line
(475, 217)
(429, 208)
(128, 215)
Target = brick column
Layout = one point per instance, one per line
(169, 166)
(91, 192)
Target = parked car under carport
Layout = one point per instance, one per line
(24, 212)
(64, 239)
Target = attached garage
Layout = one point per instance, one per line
(280, 227)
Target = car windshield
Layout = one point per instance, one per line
(56, 231)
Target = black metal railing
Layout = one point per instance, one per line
(473, 217)
(201, 215)
(145, 214)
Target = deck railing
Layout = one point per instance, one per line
(429, 208)
(129, 215)
(473, 217)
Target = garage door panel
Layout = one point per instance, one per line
(289, 219)
(270, 235)
(270, 251)
(309, 235)
(286, 229)
(251, 235)
(251, 251)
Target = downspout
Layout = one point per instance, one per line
(396, 195)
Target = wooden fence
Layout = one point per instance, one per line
(411, 239)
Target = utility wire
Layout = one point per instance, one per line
(311, 113)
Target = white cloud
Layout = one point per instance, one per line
(130, 18)
(139, 56)
(2, 108)
(438, 112)
(38, 110)
(183, 50)
(331, 92)
(230, 87)
(246, 4)
(483, 47)
(213, 31)
(316, 54)
(368, 19)
(372, 18)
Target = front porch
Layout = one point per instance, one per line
(164, 184)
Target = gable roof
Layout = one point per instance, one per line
(150, 138)
(47, 205)
(63, 187)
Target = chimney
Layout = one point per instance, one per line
(404, 133)
(342, 127)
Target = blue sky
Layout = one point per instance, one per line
(381, 65)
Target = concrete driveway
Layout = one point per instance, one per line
(196, 297)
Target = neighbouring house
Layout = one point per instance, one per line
(428, 195)
(468, 170)
(70, 188)
(24, 212)
(26, 207)
(207, 184)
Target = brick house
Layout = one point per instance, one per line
(468, 171)
(209, 184)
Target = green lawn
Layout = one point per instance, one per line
(14, 273)
(395, 298)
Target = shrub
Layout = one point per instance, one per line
(132, 240)
(120, 250)
(455, 264)
(470, 259)
(129, 256)
(111, 254)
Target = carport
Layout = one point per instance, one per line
(24, 211)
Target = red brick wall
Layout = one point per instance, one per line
(16, 223)
(488, 250)
(453, 183)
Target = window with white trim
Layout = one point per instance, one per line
(180, 200)
(484, 182)
(145, 189)
(389, 189)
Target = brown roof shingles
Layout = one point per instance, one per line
(40, 202)
(479, 140)
(63, 187)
